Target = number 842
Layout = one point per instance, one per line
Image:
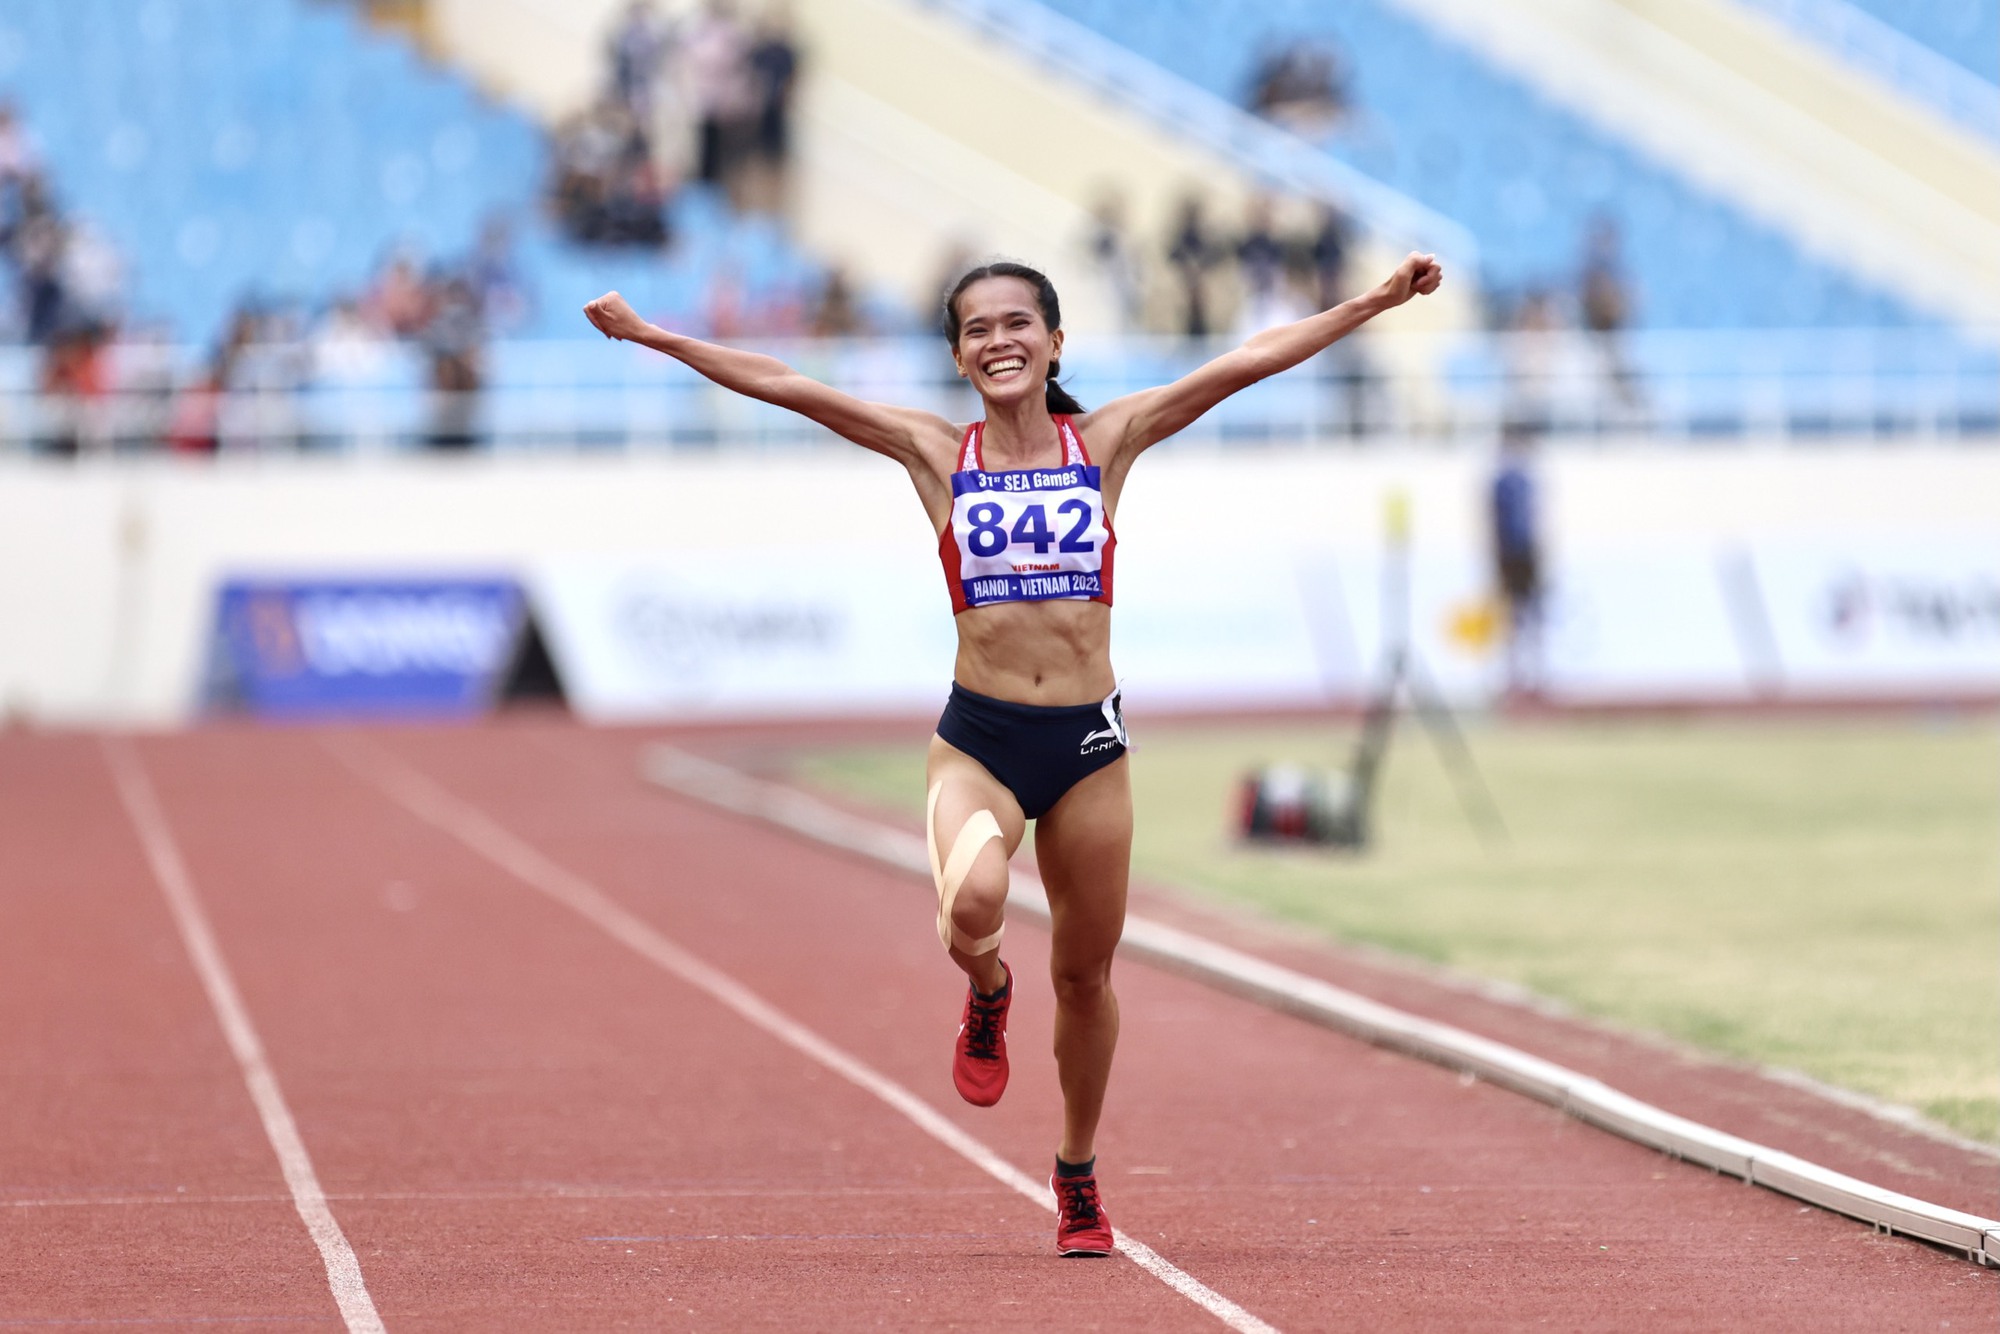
(989, 538)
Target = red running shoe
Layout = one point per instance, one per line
(1081, 1227)
(979, 1066)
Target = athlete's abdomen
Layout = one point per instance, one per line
(1051, 653)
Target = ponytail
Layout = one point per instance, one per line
(1059, 400)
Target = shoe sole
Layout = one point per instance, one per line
(1078, 1253)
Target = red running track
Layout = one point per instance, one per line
(521, 1123)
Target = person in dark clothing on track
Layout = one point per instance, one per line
(1517, 559)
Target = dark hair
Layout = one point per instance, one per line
(1045, 298)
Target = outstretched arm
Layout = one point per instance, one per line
(888, 430)
(1140, 420)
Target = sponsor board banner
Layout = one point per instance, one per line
(1616, 625)
(1359, 595)
(1193, 632)
(852, 629)
(739, 632)
(1658, 624)
(735, 633)
(359, 647)
(1883, 615)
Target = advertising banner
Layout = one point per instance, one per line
(1262, 627)
(296, 648)
(740, 632)
(831, 630)
(1639, 626)
(1904, 616)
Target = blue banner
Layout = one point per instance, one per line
(1026, 479)
(422, 648)
(985, 588)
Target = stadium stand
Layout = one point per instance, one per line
(277, 149)
(1944, 54)
(1434, 121)
(1967, 31)
(250, 156)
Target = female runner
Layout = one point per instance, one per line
(1022, 503)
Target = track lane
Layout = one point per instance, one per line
(1527, 1216)
(136, 1184)
(498, 1101)
(524, 1126)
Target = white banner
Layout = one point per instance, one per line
(1893, 616)
(847, 629)
(742, 632)
(1645, 625)
(827, 630)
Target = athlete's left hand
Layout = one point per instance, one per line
(615, 318)
(1419, 275)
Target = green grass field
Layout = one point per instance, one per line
(1821, 895)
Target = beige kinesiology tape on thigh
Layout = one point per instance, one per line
(951, 872)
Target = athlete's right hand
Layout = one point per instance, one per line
(614, 317)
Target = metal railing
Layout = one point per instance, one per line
(1898, 59)
(562, 396)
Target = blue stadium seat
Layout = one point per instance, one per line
(1967, 31)
(301, 146)
(1465, 138)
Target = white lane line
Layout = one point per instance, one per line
(1281, 988)
(343, 1270)
(472, 827)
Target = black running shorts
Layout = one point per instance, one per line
(1038, 753)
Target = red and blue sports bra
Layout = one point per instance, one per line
(1028, 535)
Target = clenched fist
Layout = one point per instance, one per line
(1419, 275)
(615, 318)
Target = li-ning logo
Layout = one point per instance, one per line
(1114, 735)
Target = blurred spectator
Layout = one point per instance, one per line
(270, 362)
(398, 301)
(346, 348)
(495, 275)
(143, 382)
(1517, 558)
(455, 340)
(773, 66)
(348, 354)
(34, 241)
(1605, 301)
(956, 258)
(716, 55)
(609, 189)
(90, 278)
(18, 158)
(1327, 255)
(836, 314)
(640, 48)
(1301, 85)
(1116, 261)
(1601, 286)
(74, 380)
(1529, 355)
(197, 423)
(1191, 256)
(65, 278)
(1263, 267)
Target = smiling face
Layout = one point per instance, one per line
(1004, 346)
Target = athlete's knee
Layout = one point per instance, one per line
(1081, 986)
(971, 882)
(982, 896)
